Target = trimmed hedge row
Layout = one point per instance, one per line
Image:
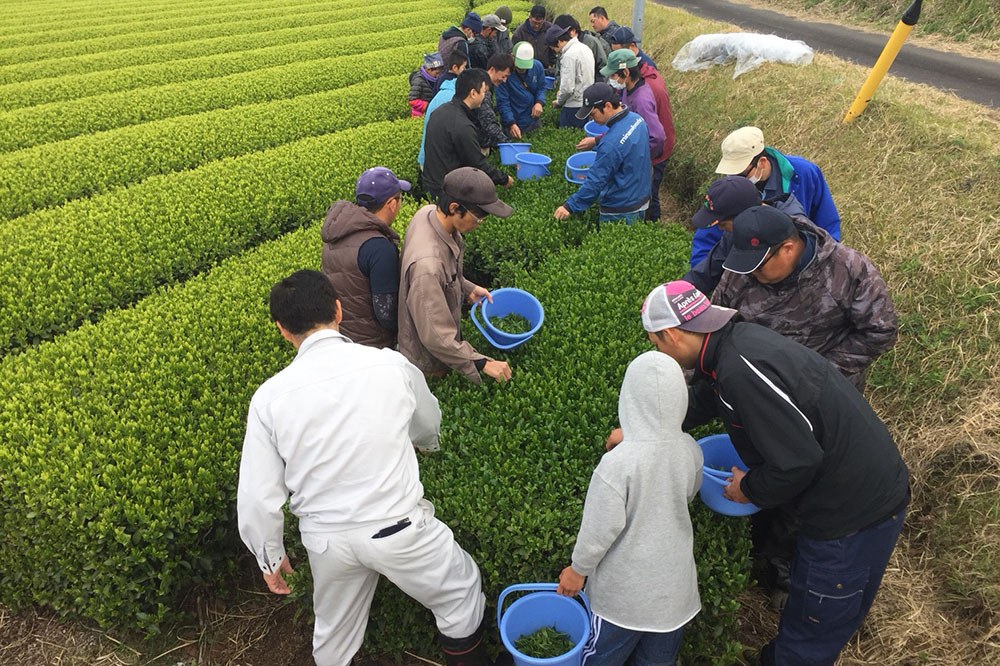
(119, 25)
(120, 441)
(33, 52)
(31, 13)
(23, 128)
(48, 90)
(516, 459)
(53, 173)
(63, 266)
(144, 55)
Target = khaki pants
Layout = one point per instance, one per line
(423, 560)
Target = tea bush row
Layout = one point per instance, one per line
(149, 54)
(516, 459)
(34, 33)
(73, 86)
(65, 265)
(53, 173)
(23, 128)
(31, 52)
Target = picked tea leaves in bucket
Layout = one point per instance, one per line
(544, 643)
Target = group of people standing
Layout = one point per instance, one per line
(779, 355)
(599, 75)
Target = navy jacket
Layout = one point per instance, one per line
(518, 94)
(621, 176)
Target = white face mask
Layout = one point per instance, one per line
(753, 179)
(616, 84)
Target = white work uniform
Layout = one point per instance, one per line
(336, 431)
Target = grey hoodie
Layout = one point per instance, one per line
(635, 542)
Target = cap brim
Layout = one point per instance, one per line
(709, 321)
(501, 28)
(584, 112)
(704, 218)
(733, 166)
(607, 71)
(404, 185)
(520, 63)
(498, 208)
(745, 261)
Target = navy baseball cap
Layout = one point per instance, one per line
(756, 231)
(377, 185)
(726, 198)
(554, 33)
(597, 94)
(623, 35)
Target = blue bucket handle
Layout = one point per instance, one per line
(536, 587)
(717, 473)
(566, 174)
(475, 320)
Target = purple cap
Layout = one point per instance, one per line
(377, 185)
(755, 232)
(679, 304)
(726, 198)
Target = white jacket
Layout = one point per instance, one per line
(335, 430)
(576, 72)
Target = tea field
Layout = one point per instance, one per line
(162, 165)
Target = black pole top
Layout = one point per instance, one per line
(912, 14)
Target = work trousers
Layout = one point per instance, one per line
(833, 585)
(567, 117)
(423, 560)
(611, 645)
(653, 212)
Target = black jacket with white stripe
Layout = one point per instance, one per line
(811, 440)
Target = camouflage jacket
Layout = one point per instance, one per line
(838, 305)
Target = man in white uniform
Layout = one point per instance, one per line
(336, 431)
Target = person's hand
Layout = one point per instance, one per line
(570, 582)
(561, 213)
(555, 105)
(478, 293)
(276, 582)
(733, 491)
(510, 182)
(498, 370)
(586, 143)
(515, 131)
(614, 439)
(537, 109)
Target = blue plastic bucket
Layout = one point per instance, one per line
(720, 452)
(578, 165)
(594, 129)
(550, 82)
(509, 152)
(543, 608)
(507, 300)
(531, 166)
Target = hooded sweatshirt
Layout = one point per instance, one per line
(635, 543)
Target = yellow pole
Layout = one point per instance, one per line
(885, 61)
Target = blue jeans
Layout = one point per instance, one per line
(833, 584)
(611, 645)
(567, 117)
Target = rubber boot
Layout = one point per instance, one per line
(468, 651)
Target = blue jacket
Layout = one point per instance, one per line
(621, 176)
(517, 95)
(443, 96)
(793, 174)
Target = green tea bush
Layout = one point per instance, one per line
(32, 51)
(64, 265)
(53, 173)
(72, 86)
(161, 53)
(23, 128)
(198, 16)
(516, 459)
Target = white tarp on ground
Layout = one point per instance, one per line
(749, 49)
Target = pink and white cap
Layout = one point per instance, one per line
(679, 304)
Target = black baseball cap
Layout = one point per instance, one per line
(595, 95)
(472, 187)
(755, 232)
(726, 198)
(538, 11)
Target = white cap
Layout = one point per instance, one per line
(739, 149)
(524, 55)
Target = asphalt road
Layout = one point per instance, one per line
(974, 79)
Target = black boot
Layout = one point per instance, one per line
(468, 651)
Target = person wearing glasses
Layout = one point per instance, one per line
(620, 179)
(432, 284)
(775, 174)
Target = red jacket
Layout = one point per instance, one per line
(659, 87)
